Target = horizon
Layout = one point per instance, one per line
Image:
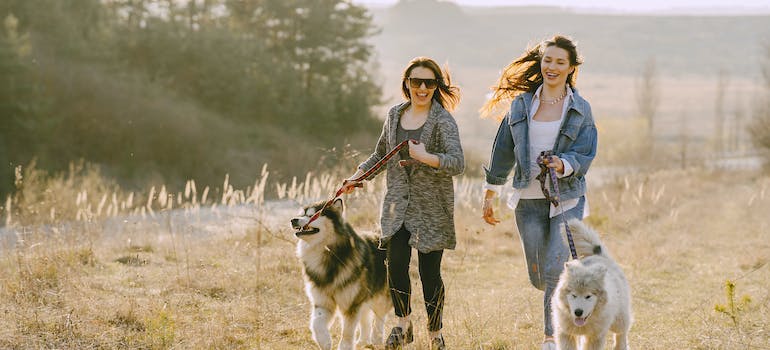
(663, 7)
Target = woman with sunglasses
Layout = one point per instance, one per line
(418, 208)
(546, 114)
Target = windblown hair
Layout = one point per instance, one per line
(446, 95)
(524, 74)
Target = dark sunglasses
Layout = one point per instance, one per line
(416, 82)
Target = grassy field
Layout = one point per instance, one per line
(85, 266)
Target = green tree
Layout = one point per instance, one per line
(17, 103)
(319, 56)
(177, 90)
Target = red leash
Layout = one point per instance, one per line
(374, 168)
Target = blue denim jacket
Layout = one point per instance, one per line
(576, 144)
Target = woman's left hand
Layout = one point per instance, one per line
(417, 150)
(556, 163)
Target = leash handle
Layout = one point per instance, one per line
(411, 161)
(369, 172)
(552, 174)
(407, 162)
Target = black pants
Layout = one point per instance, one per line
(399, 256)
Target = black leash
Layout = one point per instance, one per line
(545, 171)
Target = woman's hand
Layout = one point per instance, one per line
(487, 210)
(554, 162)
(417, 151)
(348, 185)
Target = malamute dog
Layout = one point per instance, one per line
(344, 273)
(592, 297)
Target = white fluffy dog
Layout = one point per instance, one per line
(592, 297)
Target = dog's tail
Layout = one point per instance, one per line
(586, 240)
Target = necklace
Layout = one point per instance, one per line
(554, 101)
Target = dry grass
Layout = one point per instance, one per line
(221, 272)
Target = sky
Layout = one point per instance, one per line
(622, 6)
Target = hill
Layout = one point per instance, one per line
(689, 53)
(612, 44)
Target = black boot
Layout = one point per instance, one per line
(437, 343)
(398, 338)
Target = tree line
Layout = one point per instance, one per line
(173, 90)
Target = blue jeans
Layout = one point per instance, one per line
(544, 248)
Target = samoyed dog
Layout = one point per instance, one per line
(592, 297)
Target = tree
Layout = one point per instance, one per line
(17, 102)
(320, 52)
(192, 89)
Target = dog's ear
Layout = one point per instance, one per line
(338, 205)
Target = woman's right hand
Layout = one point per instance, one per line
(349, 184)
(487, 210)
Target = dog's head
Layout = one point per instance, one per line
(325, 221)
(583, 289)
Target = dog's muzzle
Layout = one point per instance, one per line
(580, 319)
(309, 231)
(298, 224)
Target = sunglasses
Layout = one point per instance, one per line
(416, 82)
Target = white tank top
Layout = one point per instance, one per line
(542, 136)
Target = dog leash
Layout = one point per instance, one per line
(364, 176)
(551, 172)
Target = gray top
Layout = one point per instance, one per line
(407, 134)
(423, 201)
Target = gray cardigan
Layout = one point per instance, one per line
(424, 201)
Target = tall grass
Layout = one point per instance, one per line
(86, 264)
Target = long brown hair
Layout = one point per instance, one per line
(524, 74)
(446, 95)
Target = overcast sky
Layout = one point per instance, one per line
(695, 6)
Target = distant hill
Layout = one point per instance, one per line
(483, 36)
(689, 51)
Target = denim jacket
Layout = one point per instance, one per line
(576, 144)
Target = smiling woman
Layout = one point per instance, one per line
(546, 115)
(418, 208)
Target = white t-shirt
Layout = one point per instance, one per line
(542, 136)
